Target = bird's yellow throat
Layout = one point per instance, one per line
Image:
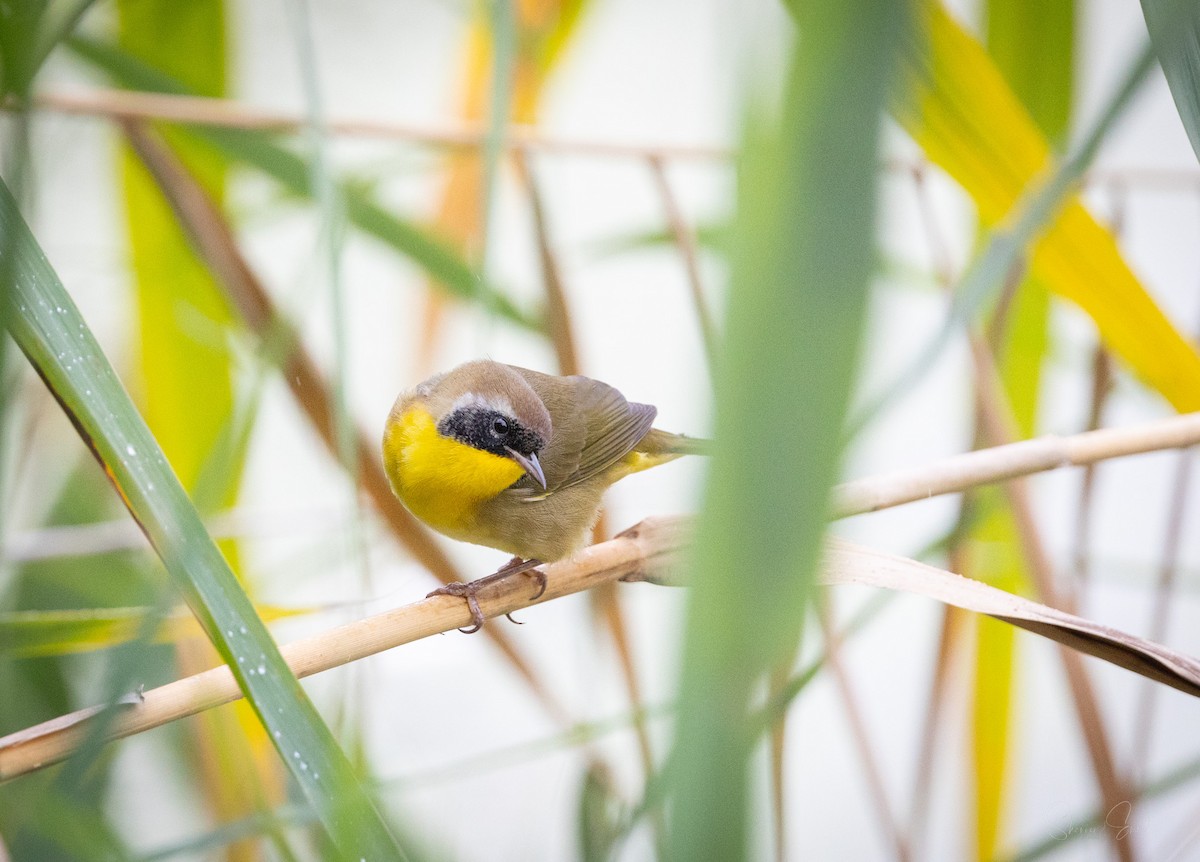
(442, 481)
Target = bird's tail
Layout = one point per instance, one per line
(664, 443)
(658, 447)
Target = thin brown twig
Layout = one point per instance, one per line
(558, 323)
(685, 241)
(939, 251)
(1102, 382)
(1168, 575)
(958, 473)
(215, 244)
(558, 316)
(650, 551)
(225, 113)
(952, 633)
(1163, 591)
(197, 110)
(858, 732)
(1011, 460)
(1102, 385)
(949, 641)
(998, 424)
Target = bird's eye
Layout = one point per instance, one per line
(499, 426)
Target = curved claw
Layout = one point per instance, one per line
(476, 614)
(464, 591)
(470, 591)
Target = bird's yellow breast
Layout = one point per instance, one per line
(442, 481)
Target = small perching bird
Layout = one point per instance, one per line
(517, 460)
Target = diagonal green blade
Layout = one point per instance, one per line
(1174, 27)
(259, 150)
(48, 328)
(800, 270)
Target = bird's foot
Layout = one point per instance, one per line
(470, 591)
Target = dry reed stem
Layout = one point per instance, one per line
(860, 738)
(998, 425)
(1168, 577)
(968, 470)
(215, 244)
(558, 317)
(949, 650)
(685, 241)
(644, 552)
(650, 551)
(953, 631)
(1101, 388)
(1023, 458)
(1102, 384)
(1164, 589)
(225, 113)
(558, 324)
(647, 552)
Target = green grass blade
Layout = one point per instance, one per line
(31, 634)
(259, 150)
(253, 826)
(1033, 212)
(50, 331)
(182, 316)
(183, 329)
(29, 30)
(1033, 44)
(801, 265)
(44, 633)
(1093, 824)
(503, 20)
(1174, 27)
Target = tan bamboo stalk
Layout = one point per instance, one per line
(226, 113)
(650, 551)
(644, 552)
(1023, 458)
(139, 105)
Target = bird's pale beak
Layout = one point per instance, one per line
(529, 463)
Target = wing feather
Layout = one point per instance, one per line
(594, 426)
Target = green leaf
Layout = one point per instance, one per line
(258, 149)
(182, 315)
(953, 107)
(711, 237)
(1174, 27)
(1033, 44)
(1183, 775)
(598, 815)
(29, 29)
(803, 251)
(48, 328)
(34, 633)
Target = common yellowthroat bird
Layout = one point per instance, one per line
(517, 460)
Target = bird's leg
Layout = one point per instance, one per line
(471, 590)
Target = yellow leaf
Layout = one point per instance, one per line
(959, 108)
